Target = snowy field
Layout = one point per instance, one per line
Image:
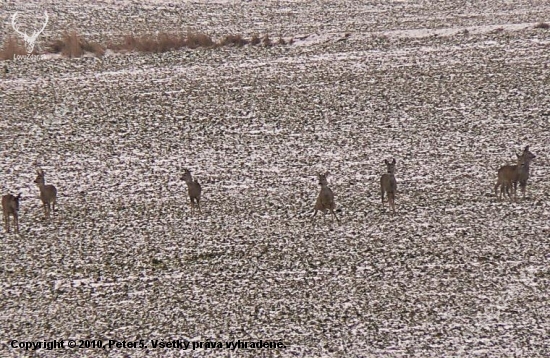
(451, 91)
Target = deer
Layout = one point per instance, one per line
(10, 206)
(518, 174)
(29, 40)
(48, 193)
(325, 199)
(507, 175)
(524, 174)
(193, 189)
(388, 184)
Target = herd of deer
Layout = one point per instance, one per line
(507, 179)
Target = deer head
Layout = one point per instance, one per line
(29, 40)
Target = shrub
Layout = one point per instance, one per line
(195, 40)
(255, 40)
(233, 40)
(73, 45)
(12, 46)
(266, 41)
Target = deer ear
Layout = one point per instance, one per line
(526, 148)
(386, 161)
(393, 162)
(327, 174)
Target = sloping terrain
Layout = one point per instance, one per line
(454, 273)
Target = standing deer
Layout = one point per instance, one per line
(508, 175)
(524, 174)
(193, 189)
(48, 193)
(518, 173)
(388, 184)
(325, 200)
(10, 206)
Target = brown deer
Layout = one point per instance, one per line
(325, 200)
(507, 175)
(388, 184)
(48, 193)
(10, 206)
(524, 174)
(193, 189)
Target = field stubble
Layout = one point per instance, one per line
(454, 272)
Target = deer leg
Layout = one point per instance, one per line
(16, 223)
(382, 195)
(7, 223)
(509, 190)
(523, 186)
(333, 213)
(391, 199)
(314, 214)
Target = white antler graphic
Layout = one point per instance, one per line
(29, 40)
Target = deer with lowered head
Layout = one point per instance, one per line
(48, 193)
(10, 207)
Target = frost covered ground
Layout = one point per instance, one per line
(454, 273)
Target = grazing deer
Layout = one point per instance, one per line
(388, 184)
(508, 175)
(325, 200)
(193, 189)
(48, 193)
(524, 174)
(10, 206)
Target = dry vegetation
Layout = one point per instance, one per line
(12, 46)
(73, 45)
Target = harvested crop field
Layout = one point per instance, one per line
(451, 91)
